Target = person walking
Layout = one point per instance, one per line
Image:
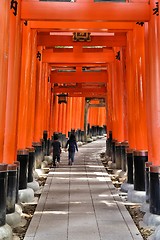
(56, 145)
(71, 149)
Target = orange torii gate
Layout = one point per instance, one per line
(118, 62)
(115, 17)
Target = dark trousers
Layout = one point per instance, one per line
(56, 157)
(71, 156)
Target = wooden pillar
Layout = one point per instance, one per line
(49, 102)
(95, 116)
(68, 115)
(153, 89)
(109, 104)
(86, 118)
(4, 38)
(42, 93)
(102, 116)
(130, 76)
(78, 112)
(90, 116)
(24, 87)
(114, 112)
(60, 117)
(82, 114)
(71, 109)
(98, 116)
(38, 116)
(140, 90)
(51, 125)
(10, 140)
(32, 91)
(125, 108)
(114, 107)
(44, 96)
(63, 118)
(73, 118)
(118, 95)
(55, 114)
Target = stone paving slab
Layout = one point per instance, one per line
(79, 202)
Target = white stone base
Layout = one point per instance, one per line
(13, 219)
(18, 209)
(5, 232)
(151, 219)
(145, 207)
(119, 173)
(125, 187)
(44, 164)
(89, 140)
(48, 159)
(156, 235)
(111, 165)
(34, 185)
(79, 144)
(94, 138)
(40, 171)
(136, 196)
(100, 137)
(35, 174)
(26, 195)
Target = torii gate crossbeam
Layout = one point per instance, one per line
(85, 11)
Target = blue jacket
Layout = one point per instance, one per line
(72, 145)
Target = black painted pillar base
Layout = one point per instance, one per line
(140, 157)
(113, 150)
(79, 135)
(48, 146)
(43, 145)
(154, 200)
(18, 174)
(82, 136)
(31, 163)
(97, 130)
(45, 136)
(94, 131)
(100, 131)
(130, 166)
(118, 155)
(104, 129)
(38, 154)
(59, 136)
(109, 144)
(108, 148)
(124, 146)
(3, 193)
(63, 140)
(23, 158)
(147, 184)
(11, 188)
(90, 133)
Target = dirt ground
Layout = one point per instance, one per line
(134, 210)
